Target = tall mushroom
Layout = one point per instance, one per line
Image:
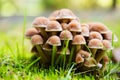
(78, 42)
(37, 41)
(94, 45)
(40, 23)
(101, 52)
(54, 41)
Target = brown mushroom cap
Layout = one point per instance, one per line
(74, 26)
(40, 22)
(84, 54)
(36, 40)
(30, 32)
(107, 44)
(66, 35)
(66, 14)
(78, 39)
(53, 26)
(95, 43)
(85, 30)
(95, 35)
(79, 58)
(64, 26)
(54, 41)
(54, 15)
(99, 27)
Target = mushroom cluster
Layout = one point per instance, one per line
(61, 40)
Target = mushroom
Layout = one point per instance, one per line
(78, 42)
(104, 62)
(53, 15)
(95, 35)
(89, 64)
(30, 32)
(75, 27)
(85, 30)
(53, 27)
(110, 36)
(65, 16)
(94, 45)
(116, 55)
(84, 54)
(40, 23)
(99, 27)
(37, 41)
(101, 52)
(79, 58)
(64, 26)
(54, 41)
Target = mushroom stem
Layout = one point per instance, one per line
(43, 33)
(99, 55)
(53, 55)
(42, 55)
(93, 51)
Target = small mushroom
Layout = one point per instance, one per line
(75, 27)
(101, 52)
(99, 27)
(53, 27)
(65, 16)
(94, 45)
(116, 55)
(95, 35)
(110, 36)
(89, 64)
(37, 41)
(79, 58)
(54, 41)
(40, 23)
(64, 26)
(78, 42)
(84, 54)
(53, 15)
(30, 32)
(85, 30)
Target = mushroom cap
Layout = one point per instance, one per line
(66, 35)
(30, 32)
(54, 15)
(95, 35)
(53, 26)
(78, 39)
(36, 40)
(84, 54)
(65, 14)
(54, 41)
(85, 30)
(95, 43)
(116, 55)
(79, 58)
(40, 22)
(108, 36)
(64, 26)
(74, 26)
(107, 45)
(99, 27)
(90, 62)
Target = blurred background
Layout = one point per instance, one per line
(12, 12)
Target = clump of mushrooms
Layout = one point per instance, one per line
(62, 37)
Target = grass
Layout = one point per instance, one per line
(16, 62)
